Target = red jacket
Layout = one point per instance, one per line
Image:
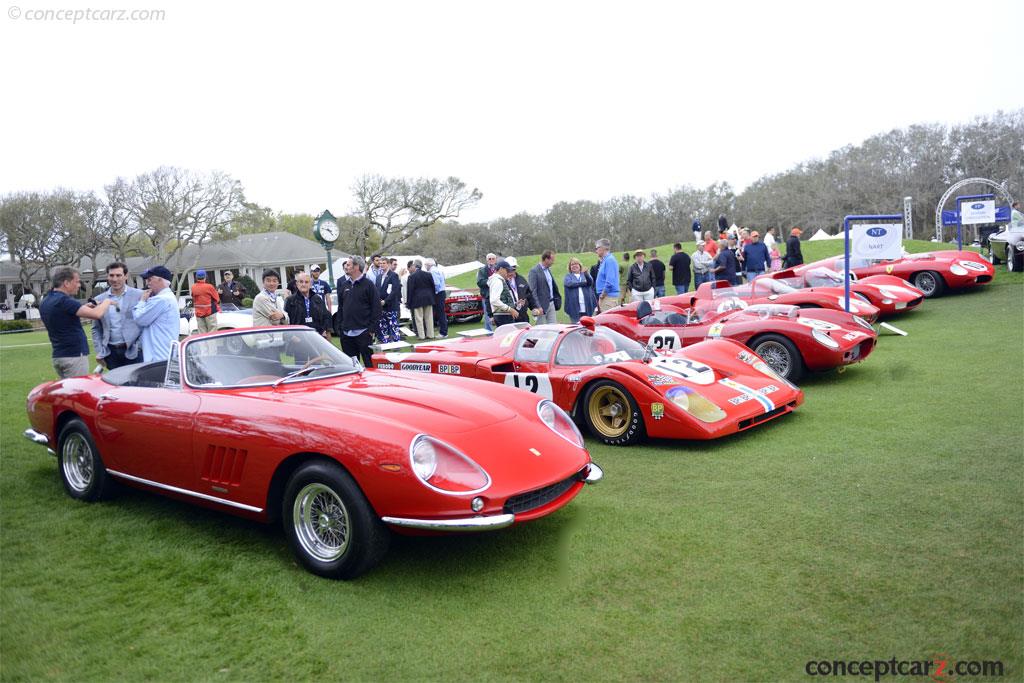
(203, 296)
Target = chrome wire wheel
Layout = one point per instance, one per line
(926, 282)
(776, 356)
(77, 461)
(321, 522)
(610, 411)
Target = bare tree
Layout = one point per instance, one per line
(171, 208)
(38, 233)
(398, 208)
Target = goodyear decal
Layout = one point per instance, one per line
(446, 369)
(415, 367)
(747, 394)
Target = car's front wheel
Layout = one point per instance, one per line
(1012, 262)
(929, 282)
(781, 355)
(81, 468)
(611, 414)
(333, 530)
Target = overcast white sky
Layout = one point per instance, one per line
(532, 102)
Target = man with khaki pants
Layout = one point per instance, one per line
(607, 284)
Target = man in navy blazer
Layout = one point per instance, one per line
(545, 289)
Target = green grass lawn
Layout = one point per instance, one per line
(885, 518)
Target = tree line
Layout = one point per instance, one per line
(158, 213)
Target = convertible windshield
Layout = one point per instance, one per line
(258, 357)
(765, 286)
(598, 347)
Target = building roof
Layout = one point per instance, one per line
(256, 250)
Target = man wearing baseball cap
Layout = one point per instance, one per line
(157, 315)
(205, 303)
(322, 288)
(503, 301)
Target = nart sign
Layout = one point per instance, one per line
(872, 242)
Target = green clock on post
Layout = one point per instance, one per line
(327, 232)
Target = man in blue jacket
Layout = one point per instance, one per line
(115, 336)
(157, 315)
(607, 283)
(755, 256)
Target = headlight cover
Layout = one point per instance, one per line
(957, 269)
(694, 403)
(444, 469)
(559, 422)
(863, 323)
(853, 304)
(825, 340)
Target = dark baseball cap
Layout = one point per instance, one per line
(159, 271)
(503, 264)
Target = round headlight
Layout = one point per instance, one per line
(424, 459)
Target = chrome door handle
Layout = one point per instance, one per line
(109, 397)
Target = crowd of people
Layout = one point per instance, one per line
(132, 325)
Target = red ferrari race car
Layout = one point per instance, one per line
(617, 387)
(721, 296)
(889, 294)
(462, 306)
(290, 428)
(932, 272)
(789, 339)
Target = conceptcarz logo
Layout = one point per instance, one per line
(977, 206)
(877, 232)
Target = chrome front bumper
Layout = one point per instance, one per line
(461, 524)
(38, 438)
(594, 475)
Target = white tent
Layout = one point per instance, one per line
(822, 235)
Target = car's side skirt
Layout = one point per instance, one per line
(185, 492)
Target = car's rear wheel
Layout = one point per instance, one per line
(781, 355)
(611, 414)
(333, 530)
(929, 282)
(1012, 263)
(81, 468)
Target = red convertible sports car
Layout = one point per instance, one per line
(619, 388)
(721, 296)
(290, 428)
(889, 294)
(788, 338)
(932, 272)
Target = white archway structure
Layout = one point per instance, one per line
(1001, 189)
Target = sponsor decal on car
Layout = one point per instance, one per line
(747, 394)
(889, 269)
(415, 367)
(715, 331)
(662, 380)
(574, 379)
(385, 366)
(446, 369)
(747, 357)
(657, 410)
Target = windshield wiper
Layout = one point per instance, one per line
(297, 373)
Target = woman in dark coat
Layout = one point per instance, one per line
(578, 285)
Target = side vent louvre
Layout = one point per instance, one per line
(223, 465)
